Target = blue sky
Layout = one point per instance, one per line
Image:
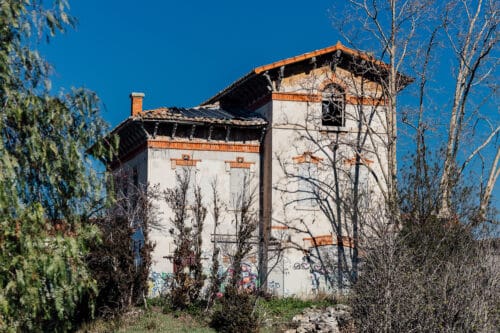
(179, 53)
(182, 53)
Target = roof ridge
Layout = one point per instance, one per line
(262, 69)
(311, 54)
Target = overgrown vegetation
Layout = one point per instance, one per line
(215, 280)
(187, 236)
(432, 277)
(236, 310)
(121, 263)
(274, 315)
(432, 269)
(139, 321)
(48, 190)
(432, 274)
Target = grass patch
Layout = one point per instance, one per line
(160, 322)
(286, 308)
(149, 321)
(274, 315)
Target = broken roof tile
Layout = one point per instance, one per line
(205, 115)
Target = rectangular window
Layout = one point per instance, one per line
(239, 183)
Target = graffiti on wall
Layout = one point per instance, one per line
(305, 265)
(274, 285)
(326, 271)
(159, 283)
(249, 279)
(323, 273)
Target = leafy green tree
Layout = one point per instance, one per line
(47, 189)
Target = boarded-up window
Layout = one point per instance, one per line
(307, 189)
(188, 173)
(239, 183)
(360, 178)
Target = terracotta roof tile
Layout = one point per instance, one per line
(205, 115)
(326, 50)
(309, 55)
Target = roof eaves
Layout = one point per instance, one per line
(121, 125)
(226, 90)
(207, 120)
(302, 57)
(326, 50)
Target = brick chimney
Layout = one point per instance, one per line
(136, 103)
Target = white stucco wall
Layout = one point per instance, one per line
(212, 166)
(296, 129)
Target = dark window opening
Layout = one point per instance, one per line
(333, 106)
(135, 177)
(135, 189)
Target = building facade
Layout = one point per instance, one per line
(307, 136)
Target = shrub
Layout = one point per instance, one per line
(121, 282)
(235, 312)
(431, 277)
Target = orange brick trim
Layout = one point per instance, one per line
(352, 161)
(240, 163)
(179, 162)
(307, 157)
(320, 240)
(294, 97)
(345, 241)
(279, 227)
(245, 165)
(227, 147)
(186, 160)
(316, 98)
(350, 99)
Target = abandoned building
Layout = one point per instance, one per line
(307, 135)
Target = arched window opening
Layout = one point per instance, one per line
(333, 106)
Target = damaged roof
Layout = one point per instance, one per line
(202, 115)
